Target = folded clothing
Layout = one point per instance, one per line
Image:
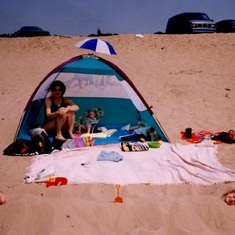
(109, 156)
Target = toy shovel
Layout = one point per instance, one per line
(118, 199)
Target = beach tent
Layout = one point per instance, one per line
(92, 82)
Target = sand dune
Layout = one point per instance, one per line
(189, 81)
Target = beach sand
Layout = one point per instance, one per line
(188, 79)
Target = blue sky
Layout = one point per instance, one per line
(84, 17)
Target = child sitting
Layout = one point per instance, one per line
(87, 122)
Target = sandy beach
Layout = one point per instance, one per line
(189, 81)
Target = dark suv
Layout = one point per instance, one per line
(191, 22)
(31, 31)
(225, 26)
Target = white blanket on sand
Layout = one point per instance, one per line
(169, 164)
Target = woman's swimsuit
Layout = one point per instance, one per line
(55, 107)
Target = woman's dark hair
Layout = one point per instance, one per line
(57, 83)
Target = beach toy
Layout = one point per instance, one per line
(56, 181)
(118, 199)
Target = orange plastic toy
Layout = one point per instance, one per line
(118, 199)
(56, 181)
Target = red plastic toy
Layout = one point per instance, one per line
(56, 181)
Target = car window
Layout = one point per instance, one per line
(178, 19)
(30, 28)
(197, 16)
(205, 17)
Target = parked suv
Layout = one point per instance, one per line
(190, 22)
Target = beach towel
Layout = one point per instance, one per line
(169, 164)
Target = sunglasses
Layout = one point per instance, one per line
(56, 89)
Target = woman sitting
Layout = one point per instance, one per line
(60, 112)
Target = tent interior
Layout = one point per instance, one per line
(93, 82)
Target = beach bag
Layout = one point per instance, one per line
(57, 143)
(226, 137)
(20, 147)
(39, 144)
